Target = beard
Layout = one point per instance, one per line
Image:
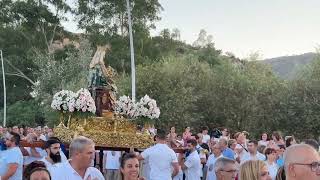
(56, 158)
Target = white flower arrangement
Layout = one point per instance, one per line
(64, 101)
(68, 101)
(146, 107)
(84, 102)
(125, 106)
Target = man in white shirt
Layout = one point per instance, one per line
(252, 153)
(216, 153)
(192, 164)
(53, 157)
(12, 159)
(78, 167)
(111, 164)
(161, 159)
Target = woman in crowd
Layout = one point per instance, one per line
(254, 170)
(264, 139)
(36, 171)
(22, 133)
(290, 141)
(241, 147)
(172, 137)
(186, 135)
(225, 133)
(277, 139)
(271, 155)
(129, 167)
(232, 143)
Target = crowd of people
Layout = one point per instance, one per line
(217, 155)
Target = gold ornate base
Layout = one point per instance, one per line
(105, 131)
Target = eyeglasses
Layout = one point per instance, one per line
(315, 166)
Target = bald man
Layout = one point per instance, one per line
(302, 162)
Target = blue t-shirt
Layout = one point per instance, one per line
(12, 155)
(228, 153)
(280, 162)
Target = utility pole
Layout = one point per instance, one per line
(4, 92)
(133, 68)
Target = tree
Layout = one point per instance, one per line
(165, 33)
(302, 103)
(27, 27)
(24, 113)
(176, 35)
(106, 22)
(70, 73)
(110, 17)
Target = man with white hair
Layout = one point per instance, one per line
(225, 169)
(79, 167)
(302, 162)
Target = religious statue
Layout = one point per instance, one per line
(101, 83)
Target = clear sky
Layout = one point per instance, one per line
(272, 27)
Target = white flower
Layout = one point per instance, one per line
(69, 101)
(84, 102)
(63, 100)
(146, 107)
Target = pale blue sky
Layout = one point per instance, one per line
(272, 27)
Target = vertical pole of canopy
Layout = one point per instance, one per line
(133, 68)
